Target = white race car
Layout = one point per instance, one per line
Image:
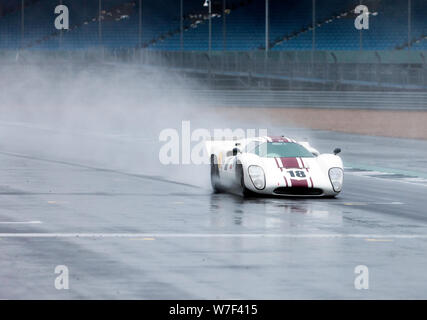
(274, 166)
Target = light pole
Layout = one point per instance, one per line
(224, 26)
(210, 27)
(409, 24)
(267, 26)
(99, 23)
(60, 32)
(181, 26)
(313, 44)
(208, 3)
(22, 22)
(360, 36)
(140, 25)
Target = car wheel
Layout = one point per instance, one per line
(215, 175)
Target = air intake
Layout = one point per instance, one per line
(298, 191)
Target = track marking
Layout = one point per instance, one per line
(381, 170)
(392, 203)
(412, 178)
(80, 165)
(143, 239)
(20, 222)
(370, 203)
(57, 202)
(213, 235)
(379, 240)
(394, 180)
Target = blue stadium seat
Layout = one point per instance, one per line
(290, 25)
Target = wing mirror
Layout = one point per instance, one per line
(236, 151)
(336, 151)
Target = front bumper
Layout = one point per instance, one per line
(283, 191)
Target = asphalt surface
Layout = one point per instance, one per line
(140, 234)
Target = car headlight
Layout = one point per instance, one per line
(257, 176)
(336, 175)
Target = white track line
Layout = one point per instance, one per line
(401, 180)
(210, 235)
(20, 222)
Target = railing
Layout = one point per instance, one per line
(314, 99)
(396, 73)
(325, 70)
(392, 70)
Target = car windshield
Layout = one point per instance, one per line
(282, 150)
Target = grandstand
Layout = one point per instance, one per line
(228, 46)
(240, 27)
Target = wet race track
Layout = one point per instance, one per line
(123, 234)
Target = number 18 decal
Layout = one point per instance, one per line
(297, 174)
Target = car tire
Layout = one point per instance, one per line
(215, 175)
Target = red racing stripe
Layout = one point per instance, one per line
(277, 162)
(299, 183)
(279, 139)
(289, 163)
(286, 180)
